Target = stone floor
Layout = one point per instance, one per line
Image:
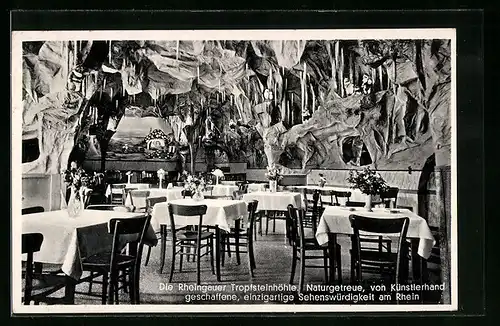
(273, 260)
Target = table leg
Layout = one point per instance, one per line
(69, 291)
(217, 252)
(332, 242)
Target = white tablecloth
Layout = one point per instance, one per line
(224, 190)
(274, 201)
(171, 194)
(220, 212)
(128, 186)
(335, 219)
(61, 233)
(253, 187)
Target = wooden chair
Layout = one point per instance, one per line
(118, 194)
(138, 199)
(313, 213)
(390, 197)
(242, 238)
(188, 239)
(372, 261)
(186, 193)
(38, 286)
(33, 210)
(302, 244)
(346, 195)
(383, 242)
(115, 266)
(150, 202)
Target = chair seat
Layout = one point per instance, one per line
(312, 244)
(187, 235)
(377, 258)
(47, 282)
(103, 260)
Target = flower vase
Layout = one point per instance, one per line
(198, 195)
(368, 203)
(161, 182)
(273, 185)
(76, 204)
(128, 179)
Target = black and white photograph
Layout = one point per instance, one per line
(234, 171)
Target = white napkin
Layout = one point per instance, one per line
(170, 185)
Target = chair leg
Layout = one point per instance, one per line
(294, 263)
(339, 264)
(325, 264)
(302, 270)
(105, 284)
(147, 256)
(274, 224)
(211, 244)
(223, 251)
(198, 262)
(91, 282)
(163, 237)
(181, 258)
(267, 221)
(172, 266)
(237, 246)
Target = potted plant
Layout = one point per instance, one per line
(369, 182)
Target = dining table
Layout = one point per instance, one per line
(128, 187)
(221, 214)
(65, 238)
(224, 190)
(335, 220)
(274, 201)
(169, 193)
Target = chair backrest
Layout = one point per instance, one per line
(116, 208)
(120, 186)
(379, 226)
(33, 210)
(138, 198)
(295, 225)
(186, 211)
(243, 188)
(209, 189)
(31, 243)
(251, 208)
(354, 204)
(151, 201)
(186, 193)
(390, 197)
(128, 231)
(341, 194)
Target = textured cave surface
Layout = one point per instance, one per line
(401, 123)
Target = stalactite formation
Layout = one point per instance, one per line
(296, 103)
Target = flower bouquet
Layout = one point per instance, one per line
(369, 182)
(81, 185)
(195, 185)
(273, 175)
(218, 175)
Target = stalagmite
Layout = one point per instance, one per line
(198, 73)
(109, 52)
